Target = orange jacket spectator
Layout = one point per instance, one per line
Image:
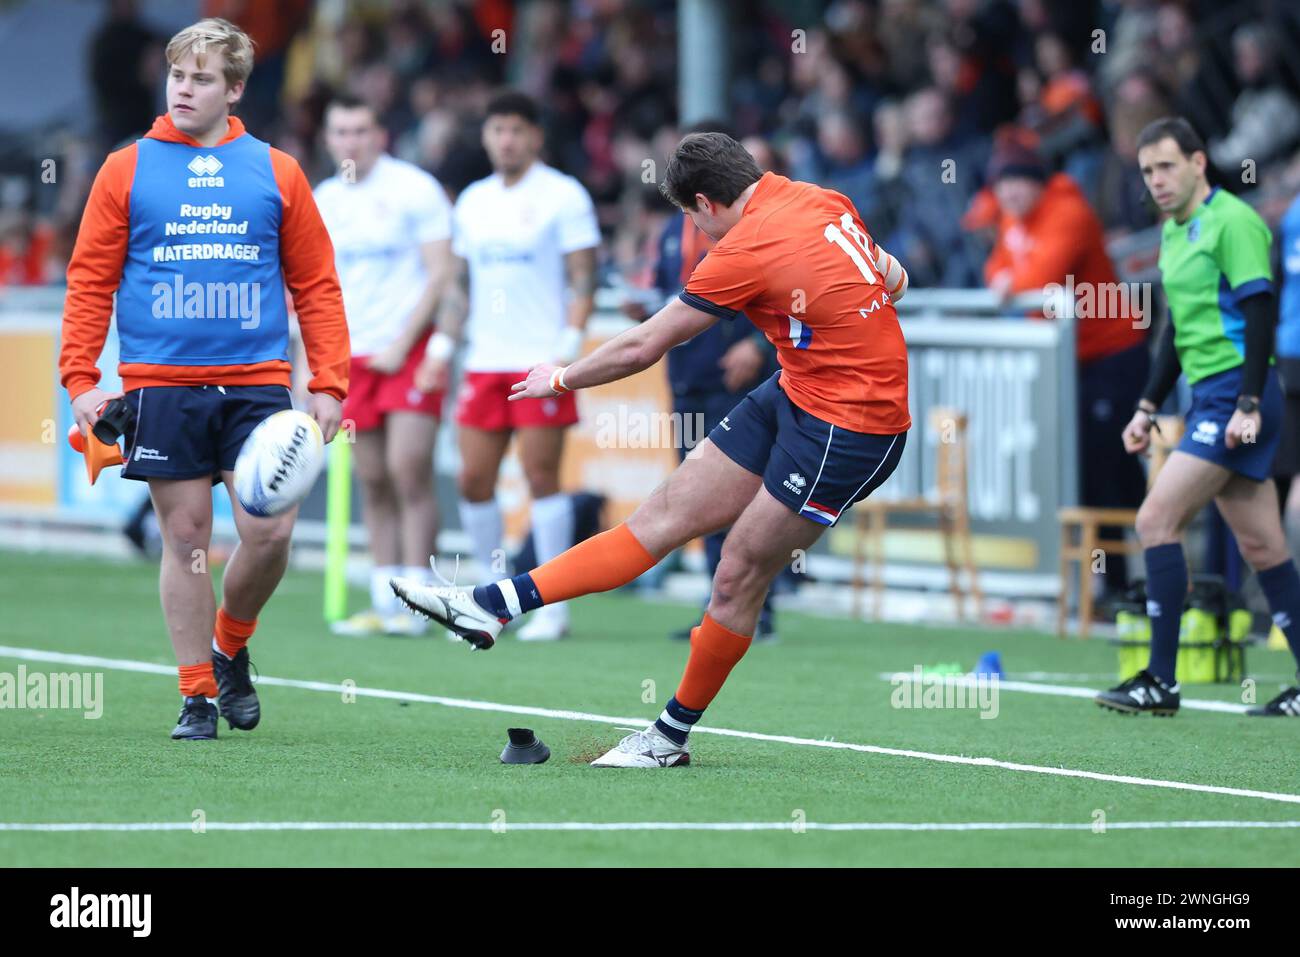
(1060, 237)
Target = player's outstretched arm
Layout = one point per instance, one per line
(626, 354)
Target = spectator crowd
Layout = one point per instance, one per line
(900, 104)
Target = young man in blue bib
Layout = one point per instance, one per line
(199, 229)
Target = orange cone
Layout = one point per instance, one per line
(98, 455)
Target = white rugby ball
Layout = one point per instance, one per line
(279, 463)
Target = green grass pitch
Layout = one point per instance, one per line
(319, 758)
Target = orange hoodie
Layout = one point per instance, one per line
(306, 261)
(1062, 237)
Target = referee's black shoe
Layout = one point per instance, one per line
(235, 695)
(197, 721)
(1144, 693)
(1285, 705)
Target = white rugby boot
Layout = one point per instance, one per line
(452, 606)
(645, 749)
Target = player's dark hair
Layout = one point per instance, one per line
(710, 163)
(1175, 128)
(346, 101)
(515, 103)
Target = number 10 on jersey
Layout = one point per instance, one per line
(834, 234)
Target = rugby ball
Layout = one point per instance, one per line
(279, 463)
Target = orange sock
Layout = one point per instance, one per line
(232, 633)
(602, 562)
(198, 680)
(714, 652)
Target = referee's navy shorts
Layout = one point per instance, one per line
(1214, 399)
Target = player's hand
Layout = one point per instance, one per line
(1137, 434)
(389, 360)
(85, 408)
(741, 364)
(537, 385)
(431, 374)
(1243, 428)
(328, 413)
(1001, 284)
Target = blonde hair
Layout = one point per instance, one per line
(220, 36)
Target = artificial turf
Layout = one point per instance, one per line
(319, 757)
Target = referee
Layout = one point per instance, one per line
(1217, 276)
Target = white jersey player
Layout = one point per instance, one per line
(390, 223)
(525, 241)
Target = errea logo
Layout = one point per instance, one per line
(795, 483)
(1206, 432)
(205, 165)
(205, 170)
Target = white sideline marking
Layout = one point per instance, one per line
(635, 826)
(91, 661)
(1067, 691)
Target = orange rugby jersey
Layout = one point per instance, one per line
(799, 265)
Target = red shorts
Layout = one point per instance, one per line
(485, 404)
(372, 395)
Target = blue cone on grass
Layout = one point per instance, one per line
(990, 663)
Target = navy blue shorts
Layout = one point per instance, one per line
(194, 431)
(1214, 399)
(816, 469)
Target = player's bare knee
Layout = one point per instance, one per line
(738, 576)
(376, 488)
(1262, 551)
(725, 593)
(414, 484)
(271, 535)
(542, 483)
(183, 532)
(476, 486)
(1155, 526)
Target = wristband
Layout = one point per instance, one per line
(440, 346)
(557, 381)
